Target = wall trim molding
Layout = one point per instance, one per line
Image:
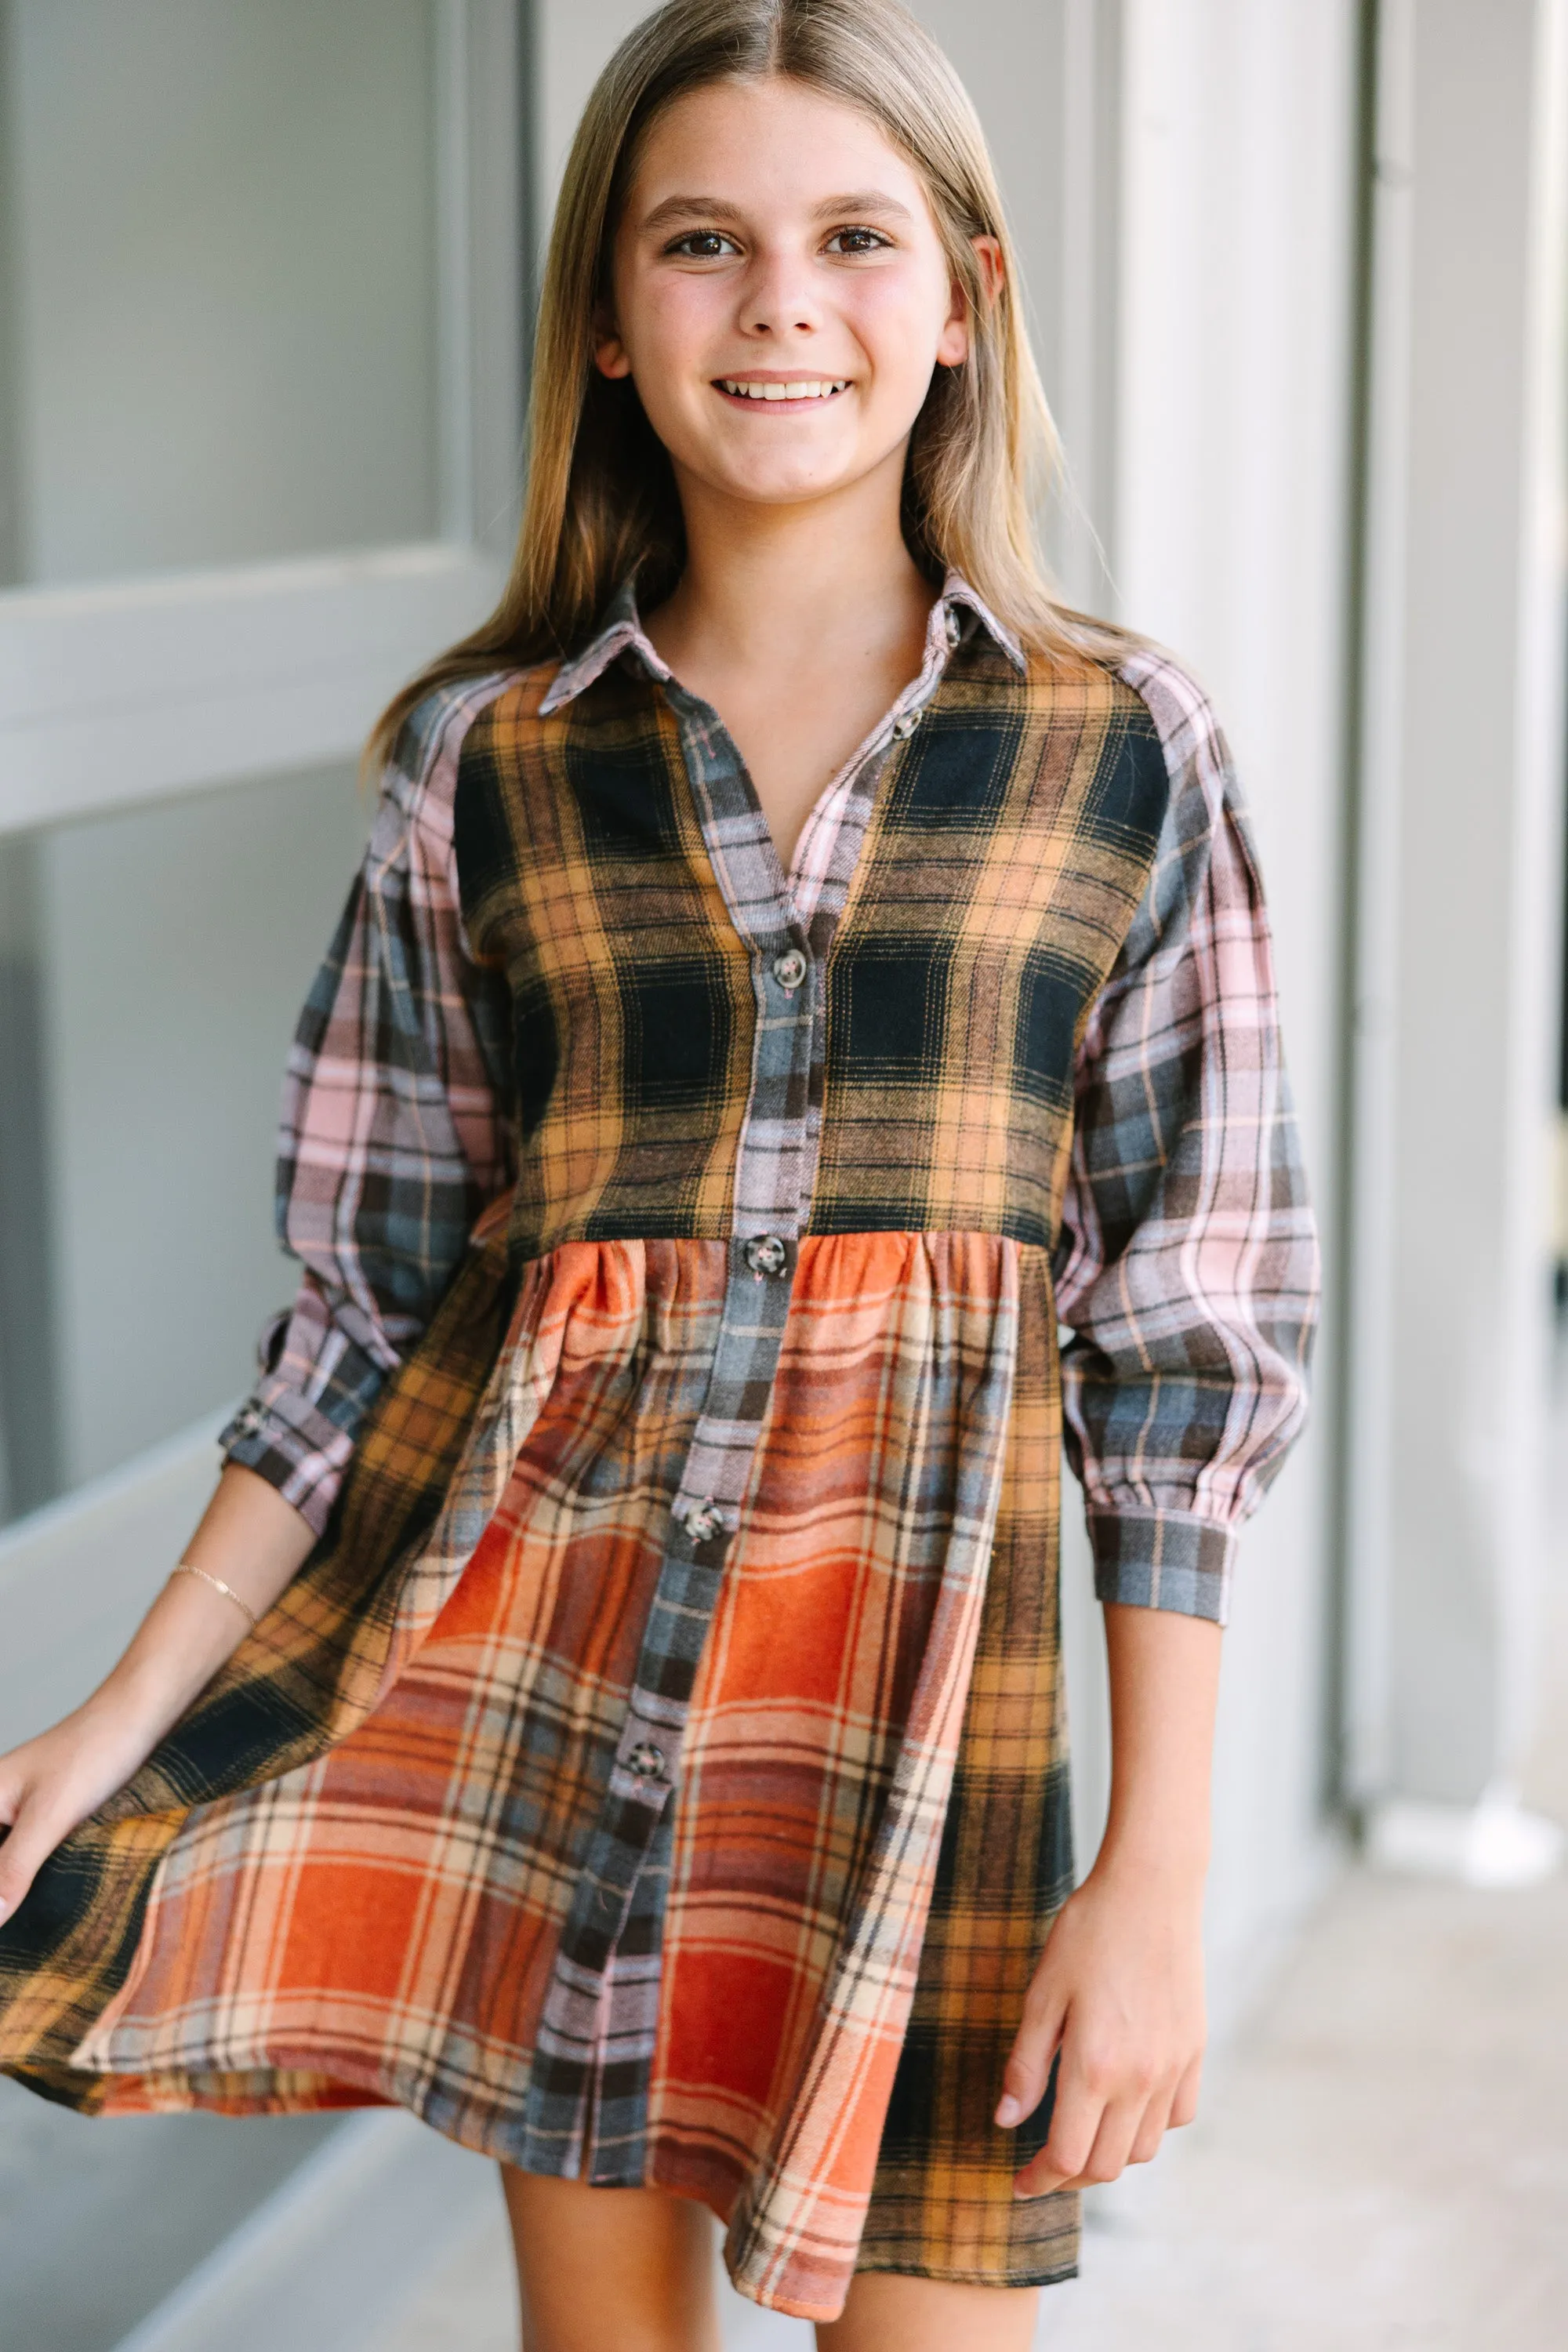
(117, 694)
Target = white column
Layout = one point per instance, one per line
(1232, 545)
(1462, 794)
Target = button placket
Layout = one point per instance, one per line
(716, 1475)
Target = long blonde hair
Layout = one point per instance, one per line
(601, 503)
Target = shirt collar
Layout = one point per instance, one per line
(621, 631)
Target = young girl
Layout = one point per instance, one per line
(612, 1705)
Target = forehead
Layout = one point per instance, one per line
(773, 141)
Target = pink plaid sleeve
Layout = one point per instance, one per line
(395, 1132)
(1187, 1270)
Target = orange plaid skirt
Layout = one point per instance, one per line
(346, 1878)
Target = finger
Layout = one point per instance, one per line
(1106, 2159)
(31, 1840)
(1080, 2106)
(1029, 2061)
(1184, 2105)
(1152, 2127)
(15, 1781)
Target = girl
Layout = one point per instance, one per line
(612, 1704)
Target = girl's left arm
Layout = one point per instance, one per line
(1187, 1276)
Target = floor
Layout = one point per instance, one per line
(1381, 2165)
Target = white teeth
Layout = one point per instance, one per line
(820, 391)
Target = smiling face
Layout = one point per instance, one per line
(781, 293)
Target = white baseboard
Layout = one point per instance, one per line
(1495, 1843)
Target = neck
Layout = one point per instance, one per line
(782, 586)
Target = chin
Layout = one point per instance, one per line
(782, 486)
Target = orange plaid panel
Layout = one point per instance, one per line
(386, 1919)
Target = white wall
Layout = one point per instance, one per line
(27, 1451)
(176, 944)
(287, 312)
(219, 286)
(571, 43)
(219, 231)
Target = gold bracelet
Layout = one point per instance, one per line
(228, 1590)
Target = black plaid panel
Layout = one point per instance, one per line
(585, 876)
(887, 1007)
(956, 777)
(677, 1034)
(1006, 849)
(626, 803)
(1009, 848)
(536, 1051)
(481, 834)
(1125, 807)
(1049, 1002)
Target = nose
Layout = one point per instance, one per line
(779, 298)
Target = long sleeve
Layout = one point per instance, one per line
(395, 1131)
(1187, 1268)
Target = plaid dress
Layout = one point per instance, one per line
(657, 1774)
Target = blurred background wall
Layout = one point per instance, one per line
(1296, 273)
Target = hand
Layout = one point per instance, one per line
(1119, 1992)
(255, 1541)
(50, 1784)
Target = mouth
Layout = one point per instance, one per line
(782, 391)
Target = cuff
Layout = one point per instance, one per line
(1163, 1560)
(299, 1452)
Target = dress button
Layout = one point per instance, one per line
(906, 726)
(646, 1761)
(789, 970)
(767, 1254)
(702, 1521)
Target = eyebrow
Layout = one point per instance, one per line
(862, 202)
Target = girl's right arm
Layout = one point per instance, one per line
(251, 1541)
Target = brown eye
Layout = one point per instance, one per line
(701, 244)
(856, 240)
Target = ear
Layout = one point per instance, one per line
(611, 356)
(952, 345)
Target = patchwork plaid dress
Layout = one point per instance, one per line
(657, 1773)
